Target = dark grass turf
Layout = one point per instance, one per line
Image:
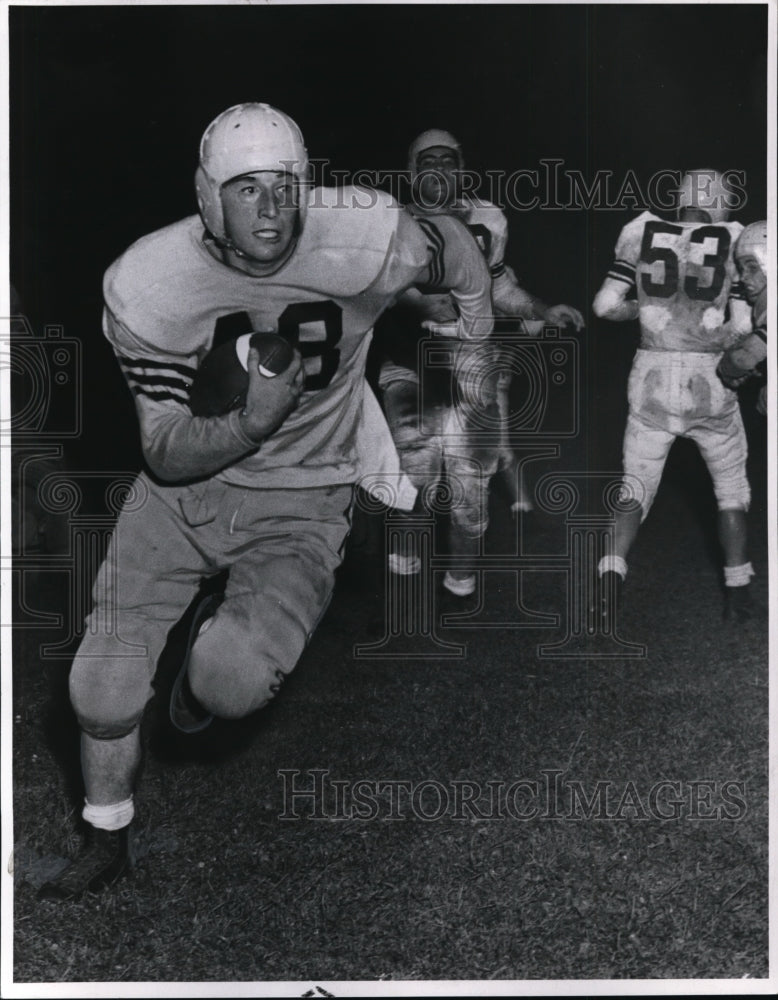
(226, 890)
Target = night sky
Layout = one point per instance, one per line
(108, 105)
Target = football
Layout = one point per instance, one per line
(221, 382)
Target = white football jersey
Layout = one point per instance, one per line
(684, 276)
(169, 301)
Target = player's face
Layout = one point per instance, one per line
(752, 276)
(260, 216)
(438, 169)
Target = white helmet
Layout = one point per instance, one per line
(705, 190)
(241, 140)
(753, 241)
(432, 137)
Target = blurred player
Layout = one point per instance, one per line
(685, 278)
(264, 492)
(448, 436)
(746, 359)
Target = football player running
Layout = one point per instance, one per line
(746, 359)
(685, 278)
(447, 436)
(264, 492)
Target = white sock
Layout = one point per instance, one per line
(111, 817)
(738, 576)
(612, 564)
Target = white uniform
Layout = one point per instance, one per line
(276, 517)
(685, 279)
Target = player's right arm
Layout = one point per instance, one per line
(615, 300)
(178, 446)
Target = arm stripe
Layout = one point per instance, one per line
(144, 363)
(160, 396)
(620, 269)
(154, 380)
(437, 246)
(620, 277)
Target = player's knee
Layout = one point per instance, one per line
(103, 709)
(234, 671)
(234, 690)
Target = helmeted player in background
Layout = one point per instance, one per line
(264, 492)
(746, 358)
(684, 275)
(448, 436)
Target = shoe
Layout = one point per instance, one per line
(462, 588)
(608, 601)
(523, 506)
(403, 565)
(738, 604)
(186, 712)
(104, 859)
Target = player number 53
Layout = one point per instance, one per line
(668, 286)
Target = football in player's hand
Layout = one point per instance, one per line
(221, 382)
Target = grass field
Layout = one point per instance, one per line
(636, 846)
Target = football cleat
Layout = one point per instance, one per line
(738, 604)
(104, 859)
(460, 587)
(186, 712)
(403, 565)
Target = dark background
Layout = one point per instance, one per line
(107, 106)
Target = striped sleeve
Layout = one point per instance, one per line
(627, 252)
(162, 381)
(177, 445)
(622, 270)
(437, 266)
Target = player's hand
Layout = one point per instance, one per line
(269, 401)
(563, 315)
(732, 375)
